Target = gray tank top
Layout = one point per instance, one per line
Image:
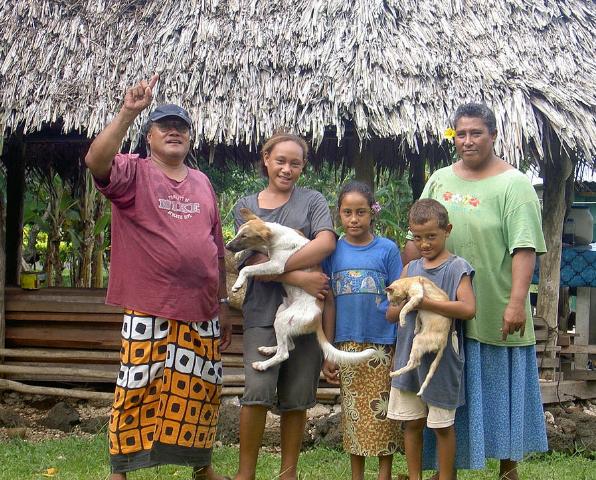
(307, 211)
(446, 388)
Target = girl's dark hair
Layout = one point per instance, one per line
(278, 138)
(358, 187)
(427, 209)
(476, 110)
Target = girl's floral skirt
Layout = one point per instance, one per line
(364, 399)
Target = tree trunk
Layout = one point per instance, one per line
(14, 156)
(556, 171)
(98, 249)
(53, 262)
(88, 201)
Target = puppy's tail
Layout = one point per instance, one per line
(337, 356)
(431, 370)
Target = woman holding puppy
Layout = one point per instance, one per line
(291, 386)
(362, 265)
(496, 227)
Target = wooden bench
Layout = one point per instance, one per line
(69, 334)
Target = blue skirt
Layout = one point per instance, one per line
(503, 416)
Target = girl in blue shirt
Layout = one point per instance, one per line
(362, 265)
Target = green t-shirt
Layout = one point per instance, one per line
(491, 218)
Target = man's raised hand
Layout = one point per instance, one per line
(139, 97)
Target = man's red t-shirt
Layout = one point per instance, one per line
(166, 241)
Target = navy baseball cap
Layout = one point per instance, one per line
(170, 110)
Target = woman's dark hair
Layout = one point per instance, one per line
(278, 138)
(427, 209)
(358, 187)
(476, 110)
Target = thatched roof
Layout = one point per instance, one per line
(394, 69)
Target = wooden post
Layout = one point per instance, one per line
(15, 189)
(416, 174)
(364, 164)
(2, 271)
(556, 171)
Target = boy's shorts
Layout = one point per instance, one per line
(404, 405)
(295, 380)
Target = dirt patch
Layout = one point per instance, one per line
(34, 409)
(571, 426)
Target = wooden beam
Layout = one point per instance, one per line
(582, 326)
(61, 392)
(417, 174)
(581, 350)
(85, 374)
(553, 392)
(14, 159)
(2, 272)
(364, 163)
(557, 167)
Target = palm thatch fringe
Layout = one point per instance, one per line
(244, 68)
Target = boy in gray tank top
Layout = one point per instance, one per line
(430, 228)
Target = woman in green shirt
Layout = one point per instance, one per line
(497, 228)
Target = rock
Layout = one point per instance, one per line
(573, 409)
(271, 436)
(558, 441)
(43, 402)
(549, 418)
(19, 432)
(327, 431)
(228, 424)
(567, 426)
(318, 411)
(94, 424)
(61, 417)
(585, 437)
(12, 398)
(11, 419)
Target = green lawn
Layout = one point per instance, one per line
(78, 459)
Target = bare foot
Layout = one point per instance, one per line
(118, 476)
(508, 470)
(206, 473)
(436, 476)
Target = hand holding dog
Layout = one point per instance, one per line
(314, 283)
(331, 372)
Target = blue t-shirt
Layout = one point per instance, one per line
(446, 388)
(358, 277)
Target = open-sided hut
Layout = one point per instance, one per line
(368, 81)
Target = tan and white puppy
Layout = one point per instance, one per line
(431, 330)
(300, 313)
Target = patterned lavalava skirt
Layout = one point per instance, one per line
(166, 401)
(364, 400)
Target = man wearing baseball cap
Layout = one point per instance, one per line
(167, 271)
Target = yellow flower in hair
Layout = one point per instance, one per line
(449, 134)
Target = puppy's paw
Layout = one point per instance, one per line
(260, 366)
(267, 350)
(237, 285)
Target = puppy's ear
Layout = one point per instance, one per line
(265, 235)
(389, 289)
(247, 214)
